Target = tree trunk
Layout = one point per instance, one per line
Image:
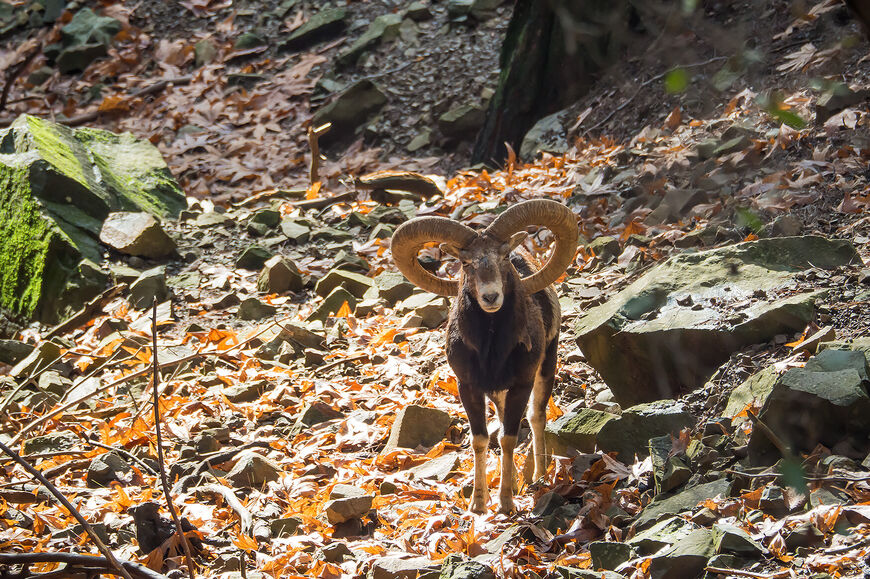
(552, 52)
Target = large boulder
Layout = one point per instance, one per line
(57, 185)
(825, 402)
(668, 331)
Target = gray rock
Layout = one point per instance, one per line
(40, 75)
(347, 502)
(245, 392)
(684, 500)
(825, 402)
(462, 121)
(253, 257)
(574, 573)
(458, 566)
(431, 310)
(279, 275)
(61, 184)
(605, 248)
(349, 261)
(728, 538)
(295, 230)
(253, 470)
(52, 381)
(382, 231)
(86, 26)
(400, 567)
(150, 285)
(578, 429)
(315, 413)
(39, 358)
(332, 304)
(417, 426)
(685, 559)
(669, 471)
(350, 109)
(285, 526)
(420, 140)
(667, 532)
(384, 28)
(837, 98)
(608, 554)
(248, 40)
(419, 11)
(629, 434)
(322, 25)
(354, 283)
(254, 309)
(106, 469)
(638, 339)
(675, 205)
(85, 38)
(138, 234)
(211, 219)
(439, 468)
(13, 351)
(547, 503)
(268, 217)
(77, 58)
(336, 553)
(393, 287)
(54, 442)
(548, 135)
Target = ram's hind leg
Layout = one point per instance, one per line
(537, 412)
(514, 406)
(475, 407)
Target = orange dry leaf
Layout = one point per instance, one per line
(245, 542)
(344, 311)
(313, 190)
(674, 119)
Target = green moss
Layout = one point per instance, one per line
(134, 171)
(26, 242)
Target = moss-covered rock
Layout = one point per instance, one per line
(56, 186)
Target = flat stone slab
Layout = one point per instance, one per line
(668, 331)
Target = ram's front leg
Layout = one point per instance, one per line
(475, 407)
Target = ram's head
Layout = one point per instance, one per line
(485, 256)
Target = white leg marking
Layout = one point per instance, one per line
(538, 422)
(506, 484)
(480, 494)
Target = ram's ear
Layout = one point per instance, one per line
(451, 249)
(517, 239)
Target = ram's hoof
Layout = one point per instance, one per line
(478, 508)
(507, 508)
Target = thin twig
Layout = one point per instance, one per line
(314, 135)
(332, 365)
(87, 311)
(89, 561)
(164, 481)
(644, 85)
(780, 445)
(144, 372)
(107, 553)
(15, 71)
(742, 573)
(126, 453)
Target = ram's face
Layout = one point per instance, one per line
(486, 268)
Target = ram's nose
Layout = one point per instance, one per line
(490, 298)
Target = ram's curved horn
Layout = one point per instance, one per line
(410, 236)
(546, 213)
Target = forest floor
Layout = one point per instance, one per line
(749, 91)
